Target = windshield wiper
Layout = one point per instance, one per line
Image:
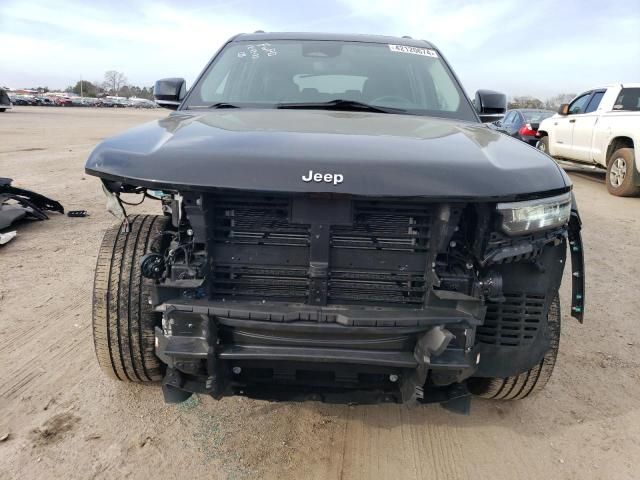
(223, 105)
(215, 105)
(339, 104)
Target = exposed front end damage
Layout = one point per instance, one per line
(349, 299)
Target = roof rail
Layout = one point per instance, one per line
(407, 36)
(259, 31)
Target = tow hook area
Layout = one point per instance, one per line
(455, 396)
(433, 342)
(172, 387)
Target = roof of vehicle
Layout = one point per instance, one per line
(616, 85)
(530, 110)
(340, 37)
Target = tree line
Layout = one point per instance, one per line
(552, 103)
(114, 83)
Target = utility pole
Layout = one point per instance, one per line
(81, 93)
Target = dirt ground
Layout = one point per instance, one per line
(64, 419)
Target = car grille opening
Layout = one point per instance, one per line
(515, 322)
(261, 221)
(385, 226)
(379, 259)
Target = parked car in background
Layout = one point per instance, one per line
(83, 102)
(78, 102)
(44, 101)
(104, 102)
(91, 102)
(5, 101)
(141, 103)
(24, 100)
(63, 101)
(600, 128)
(59, 99)
(110, 103)
(522, 123)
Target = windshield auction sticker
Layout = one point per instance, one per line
(426, 52)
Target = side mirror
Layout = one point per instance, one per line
(169, 92)
(564, 109)
(490, 105)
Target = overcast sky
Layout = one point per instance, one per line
(514, 46)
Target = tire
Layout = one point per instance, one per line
(620, 168)
(527, 383)
(123, 320)
(2, 110)
(543, 145)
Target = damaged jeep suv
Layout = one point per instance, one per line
(337, 224)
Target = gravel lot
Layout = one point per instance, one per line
(67, 420)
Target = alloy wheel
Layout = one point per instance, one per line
(617, 172)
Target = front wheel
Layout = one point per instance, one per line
(123, 320)
(620, 169)
(543, 145)
(529, 382)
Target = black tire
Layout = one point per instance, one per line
(620, 173)
(543, 144)
(529, 382)
(123, 320)
(3, 110)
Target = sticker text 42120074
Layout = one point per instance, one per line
(426, 52)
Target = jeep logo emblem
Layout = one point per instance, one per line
(335, 178)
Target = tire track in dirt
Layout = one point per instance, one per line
(31, 344)
(31, 329)
(397, 441)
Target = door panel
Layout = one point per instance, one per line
(582, 135)
(560, 140)
(505, 122)
(583, 130)
(515, 124)
(563, 127)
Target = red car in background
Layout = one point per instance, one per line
(63, 101)
(522, 123)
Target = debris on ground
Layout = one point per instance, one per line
(77, 213)
(17, 203)
(7, 237)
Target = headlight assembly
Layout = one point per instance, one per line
(534, 215)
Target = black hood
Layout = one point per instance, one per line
(375, 154)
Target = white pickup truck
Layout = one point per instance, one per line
(600, 127)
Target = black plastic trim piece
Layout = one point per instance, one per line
(355, 317)
(319, 355)
(577, 266)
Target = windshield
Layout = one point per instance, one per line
(536, 116)
(265, 75)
